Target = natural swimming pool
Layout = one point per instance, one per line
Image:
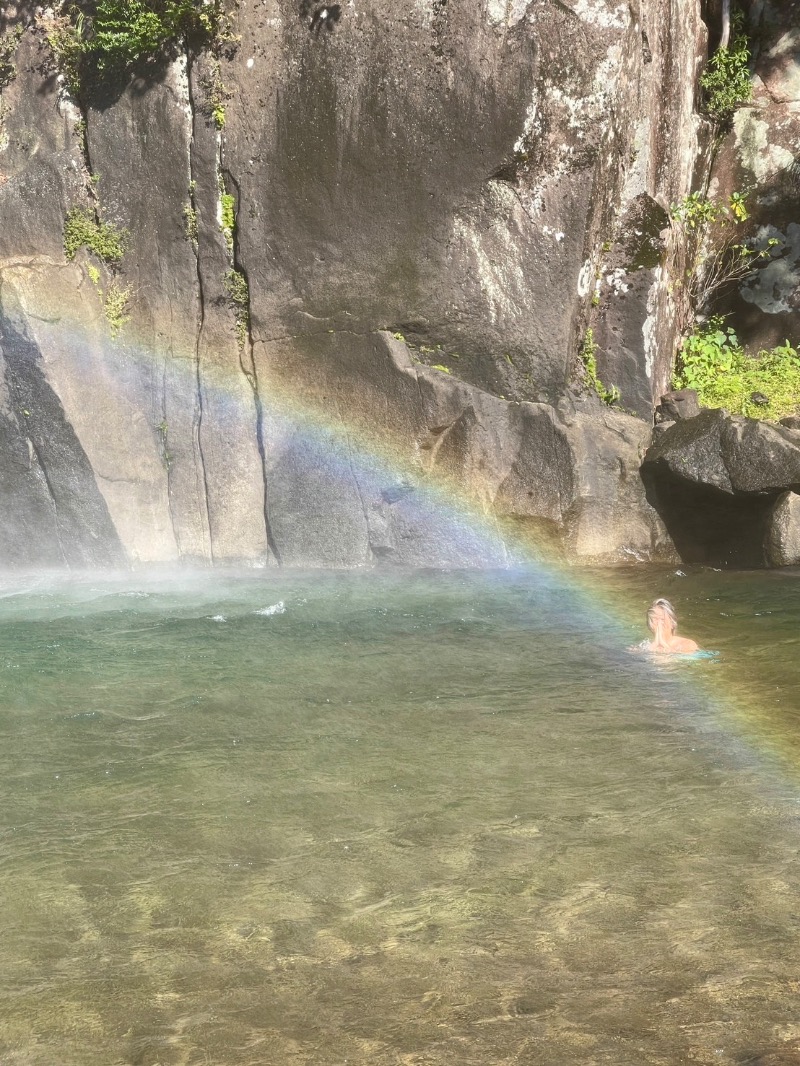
(427, 818)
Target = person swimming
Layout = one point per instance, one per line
(663, 624)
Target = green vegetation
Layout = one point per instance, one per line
(65, 37)
(227, 217)
(588, 354)
(696, 211)
(710, 358)
(713, 361)
(726, 81)
(216, 94)
(82, 229)
(190, 224)
(116, 303)
(109, 36)
(737, 205)
(440, 366)
(115, 300)
(716, 257)
(239, 296)
(8, 46)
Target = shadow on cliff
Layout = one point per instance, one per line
(320, 16)
(709, 527)
(55, 512)
(102, 89)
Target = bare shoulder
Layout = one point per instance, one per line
(684, 646)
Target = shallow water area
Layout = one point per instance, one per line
(427, 818)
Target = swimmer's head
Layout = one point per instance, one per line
(661, 613)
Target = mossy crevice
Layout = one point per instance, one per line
(83, 228)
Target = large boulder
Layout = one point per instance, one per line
(715, 479)
(691, 451)
(728, 453)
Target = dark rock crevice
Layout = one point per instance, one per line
(246, 358)
(708, 526)
(196, 175)
(251, 374)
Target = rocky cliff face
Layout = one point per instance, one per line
(369, 283)
(762, 153)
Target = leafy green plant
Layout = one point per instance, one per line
(163, 429)
(440, 366)
(238, 293)
(737, 205)
(65, 37)
(713, 361)
(716, 256)
(697, 210)
(82, 229)
(707, 353)
(588, 354)
(726, 81)
(115, 34)
(97, 39)
(8, 46)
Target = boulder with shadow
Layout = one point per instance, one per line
(721, 484)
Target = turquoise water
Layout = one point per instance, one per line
(418, 819)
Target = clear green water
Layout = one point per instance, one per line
(423, 819)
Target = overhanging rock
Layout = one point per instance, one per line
(715, 480)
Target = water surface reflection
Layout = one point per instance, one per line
(422, 819)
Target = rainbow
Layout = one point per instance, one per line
(351, 450)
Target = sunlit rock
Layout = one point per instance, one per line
(782, 541)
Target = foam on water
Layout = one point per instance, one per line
(275, 608)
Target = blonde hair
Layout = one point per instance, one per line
(661, 606)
